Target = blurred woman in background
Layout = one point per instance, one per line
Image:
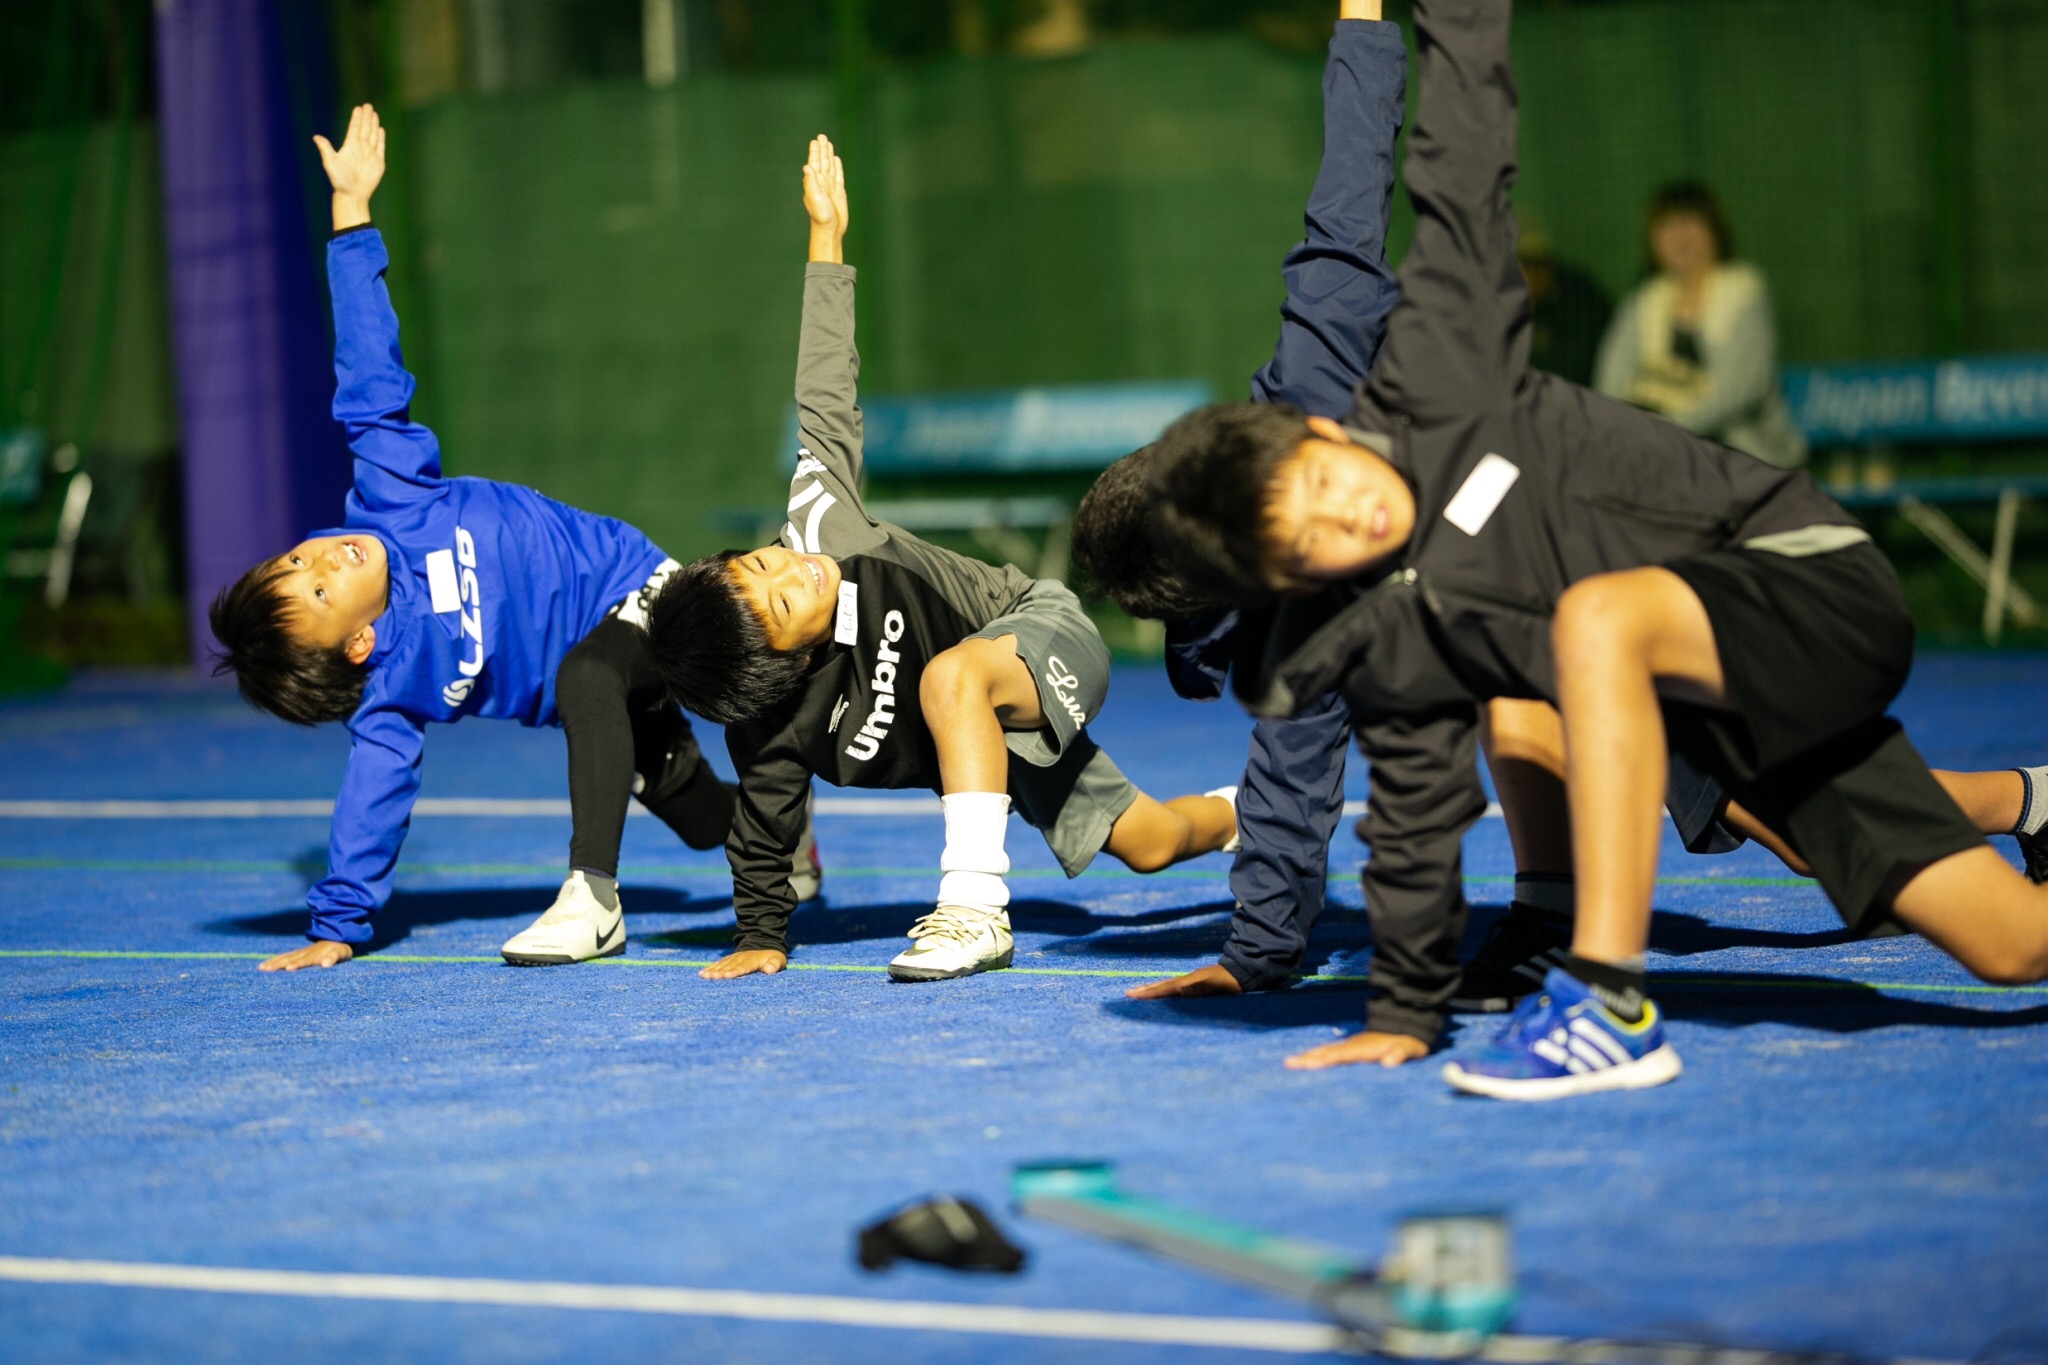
(1696, 342)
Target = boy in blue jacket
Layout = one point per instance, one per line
(442, 598)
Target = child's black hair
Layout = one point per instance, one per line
(712, 649)
(1214, 467)
(304, 684)
(1113, 543)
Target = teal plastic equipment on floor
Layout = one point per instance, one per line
(1446, 1288)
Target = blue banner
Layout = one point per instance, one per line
(1974, 399)
(1073, 427)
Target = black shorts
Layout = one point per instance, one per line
(1813, 649)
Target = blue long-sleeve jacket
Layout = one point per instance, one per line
(490, 585)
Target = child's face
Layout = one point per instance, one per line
(337, 586)
(793, 595)
(1333, 509)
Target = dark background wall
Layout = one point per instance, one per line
(599, 277)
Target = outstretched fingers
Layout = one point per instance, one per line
(1361, 1049)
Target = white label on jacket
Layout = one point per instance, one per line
(1472, 506)
(441, 581)
(846, 627)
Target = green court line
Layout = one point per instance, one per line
(720, 870)
(1732, 981)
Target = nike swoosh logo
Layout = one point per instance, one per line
(618, 927)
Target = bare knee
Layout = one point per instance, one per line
(1599, 619)
(587, 685)
(1148, 836)
(2012, 964)
(955, 679)
(1525, 732)
(1150, 855)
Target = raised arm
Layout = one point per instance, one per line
(1340, 288)
(1461, 329)
(828, 363)
(395, 456)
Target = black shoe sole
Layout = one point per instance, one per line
(918, 974)
(533, 960)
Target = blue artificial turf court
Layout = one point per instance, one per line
(1856, 1158)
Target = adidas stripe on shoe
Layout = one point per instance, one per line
(1563, 1042)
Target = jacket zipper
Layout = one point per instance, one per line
(1658, 516)
(1414, 578)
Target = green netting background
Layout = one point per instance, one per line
(606, 277)
(600, 281)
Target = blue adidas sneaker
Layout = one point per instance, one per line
(1562, 1041)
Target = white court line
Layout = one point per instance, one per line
(494, 807)
(490, 807)
(1254, 1334)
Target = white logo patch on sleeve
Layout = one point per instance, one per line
(1474, 503)
(846, 626)
(441, 584)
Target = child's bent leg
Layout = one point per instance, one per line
(592, 688)
(1619, 639)
(674, 782)
(1994, 801)
(970, 695)
(590, 693)
(1151, 835)
(1976, 908)
(1524, 746)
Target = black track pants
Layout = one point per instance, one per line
(621, 722)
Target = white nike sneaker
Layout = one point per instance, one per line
(575, 928)
(1229, 794)
(954, 940)
(806, 873)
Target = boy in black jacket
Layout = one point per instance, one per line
(1496, 531)
(856, 652)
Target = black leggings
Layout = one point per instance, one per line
(620, 722)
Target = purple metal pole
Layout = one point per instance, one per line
(263, 462)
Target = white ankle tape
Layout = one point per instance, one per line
(2033, 800)
(974, 861)
(978, 890)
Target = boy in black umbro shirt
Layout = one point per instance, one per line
(856, 652)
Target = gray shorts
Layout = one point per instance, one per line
(1060, 782)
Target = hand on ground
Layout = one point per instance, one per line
(763, 960)
(825, 186)
(1215, 980)
(1360, 1049)
(325, 953)
(357, 168)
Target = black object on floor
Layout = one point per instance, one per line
(954, 1233)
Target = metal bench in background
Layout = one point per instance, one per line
(23, 456)
(1936, 402)
(943, 438)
